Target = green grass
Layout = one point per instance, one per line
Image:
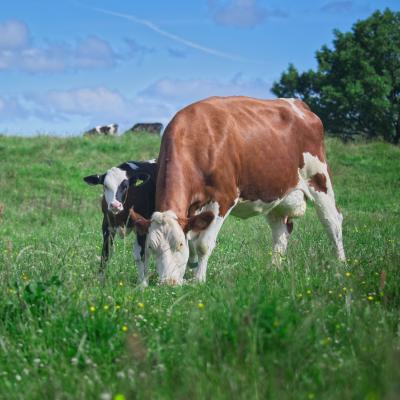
(314, 330)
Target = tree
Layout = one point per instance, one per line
(356, 88)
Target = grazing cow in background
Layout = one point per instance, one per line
(106, 130)
(151, 127)
(131, 184)
(242, 156)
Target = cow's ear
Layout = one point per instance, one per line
(94, 179)
(139, 179)
(198, 222)
(140, 223)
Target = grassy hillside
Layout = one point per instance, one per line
(314, 330)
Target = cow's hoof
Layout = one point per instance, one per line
(143, 285)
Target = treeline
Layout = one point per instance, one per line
(356, 87)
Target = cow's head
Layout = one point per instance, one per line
(116, 183)
(167, 240)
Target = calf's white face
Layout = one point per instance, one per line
(115, 185)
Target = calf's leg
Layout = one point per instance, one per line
(139, 255)
(108, 243)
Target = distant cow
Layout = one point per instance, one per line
(242, 156)
(106, 130)
(155, 127)
(131, 184)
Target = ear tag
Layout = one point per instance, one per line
(139, 182)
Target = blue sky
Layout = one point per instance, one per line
(70, 65)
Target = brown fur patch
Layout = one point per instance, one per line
(318, 182)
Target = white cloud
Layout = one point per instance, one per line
(100, 106)
(85, 101)
(89, 53)
(93, 52)
(17, 53)
(180, 91)
(84, 108)
(241, 13)
(11, 108)
(13, 35)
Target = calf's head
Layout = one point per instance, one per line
(116, 183)
(167, 240)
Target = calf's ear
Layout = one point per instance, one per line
(94, 179)
(141, 224)
(198, 222)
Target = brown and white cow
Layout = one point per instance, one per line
(242, 156)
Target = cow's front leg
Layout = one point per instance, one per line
(281, 228)
(139, 255)
(204, 246)
(108, 243)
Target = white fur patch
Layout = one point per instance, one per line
(295, 108)
(313, 165)
(246, 208)
(132, 165)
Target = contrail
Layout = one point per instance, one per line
(176, 38)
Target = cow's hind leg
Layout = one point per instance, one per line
(193, 258)
(139, 255)
(281, 227)
(322, 193)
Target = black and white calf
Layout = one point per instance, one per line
(131, 184)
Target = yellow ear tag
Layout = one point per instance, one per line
(138, 182)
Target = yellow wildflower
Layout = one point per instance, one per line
(92, 309)
(140, 305)
(200, 305)
(124, 328)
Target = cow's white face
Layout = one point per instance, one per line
(167, 241)
(115, 185)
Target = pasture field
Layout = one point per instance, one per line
(316, 329)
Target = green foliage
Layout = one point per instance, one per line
(356, 87)
(316, 329)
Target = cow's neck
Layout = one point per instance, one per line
(172, 195)
(173, 191)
